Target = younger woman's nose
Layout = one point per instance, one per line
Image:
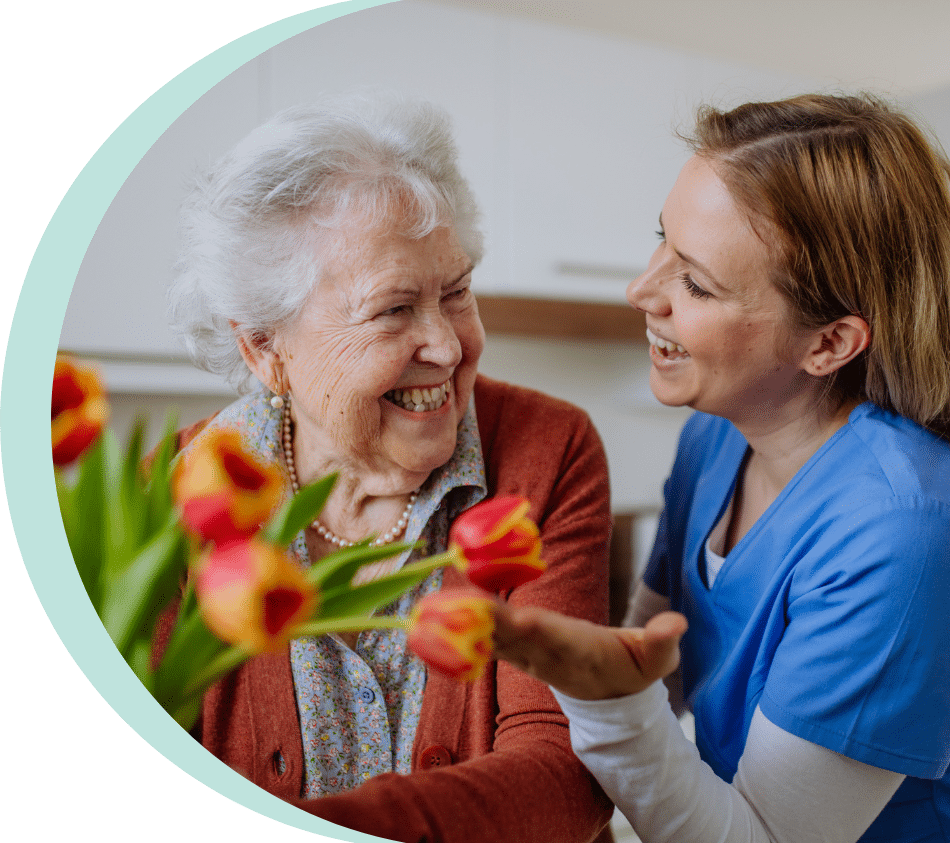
(646, 293)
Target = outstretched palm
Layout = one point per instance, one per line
(584, 660)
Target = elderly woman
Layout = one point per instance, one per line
(800, 301)
(330, 255)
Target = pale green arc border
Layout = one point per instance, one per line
(27, 377)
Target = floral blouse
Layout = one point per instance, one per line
(359, 708)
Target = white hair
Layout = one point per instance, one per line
(258, 228)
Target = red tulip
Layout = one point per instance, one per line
(252, 595)
(496, 545)
(224, 492)
(79, 409)
(451, 631)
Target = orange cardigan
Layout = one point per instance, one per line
(492, 759)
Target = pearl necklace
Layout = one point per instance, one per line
(387, 538)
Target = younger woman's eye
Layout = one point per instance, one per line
(694, 289)
(660, 233)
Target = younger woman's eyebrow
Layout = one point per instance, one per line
(690, 260)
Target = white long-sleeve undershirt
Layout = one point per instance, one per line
(786, 789)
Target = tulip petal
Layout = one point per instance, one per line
(224, 492)
(441, 656)
(78, 409)
(451, 631)
(484, 521)
(497, 545)
(280, 606)
(503, 574)
(509, 522)
(242, 472)
(252, 595)
(210, 517)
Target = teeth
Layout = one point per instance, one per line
(662, 344)
(418, 400)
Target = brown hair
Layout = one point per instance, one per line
(858, 200)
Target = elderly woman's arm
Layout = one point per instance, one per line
(519, 780)
(531, 788)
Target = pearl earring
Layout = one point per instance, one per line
(277, 402)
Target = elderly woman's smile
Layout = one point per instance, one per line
(420, 399)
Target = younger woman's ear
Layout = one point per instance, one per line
(261, 358)
(836, 345)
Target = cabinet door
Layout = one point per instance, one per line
(593, 152)
(117, 307)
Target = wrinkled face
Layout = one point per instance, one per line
(381, 362)
(715, 321)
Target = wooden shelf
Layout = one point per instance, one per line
(561, 319)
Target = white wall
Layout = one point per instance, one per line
(566, 138)
(933, 108)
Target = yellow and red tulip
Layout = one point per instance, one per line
(496, 545)
(451, 631)
(79, 409)
(224, 493)
(252, 594)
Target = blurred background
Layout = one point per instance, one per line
(565, 113)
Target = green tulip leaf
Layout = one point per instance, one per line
(159, 490)
(337, 568)
(186, 712)
(67, 504)
(134, 600)
(86, 530)
(299, 511)
(227, 660)
(367, 598)
(121, 529)
(131, 465)
(139, 659)
(191, 648)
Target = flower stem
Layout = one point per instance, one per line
(234, 657)
(328, 627)
(430, 563)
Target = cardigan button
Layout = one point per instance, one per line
(435, 756)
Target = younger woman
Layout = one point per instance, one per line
(799, 300)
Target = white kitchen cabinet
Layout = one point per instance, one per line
(593, 154)
(117, 307)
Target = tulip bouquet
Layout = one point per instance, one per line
(204, 537)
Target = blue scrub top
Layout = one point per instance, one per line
(832, 613)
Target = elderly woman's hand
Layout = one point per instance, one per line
(584, 660)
